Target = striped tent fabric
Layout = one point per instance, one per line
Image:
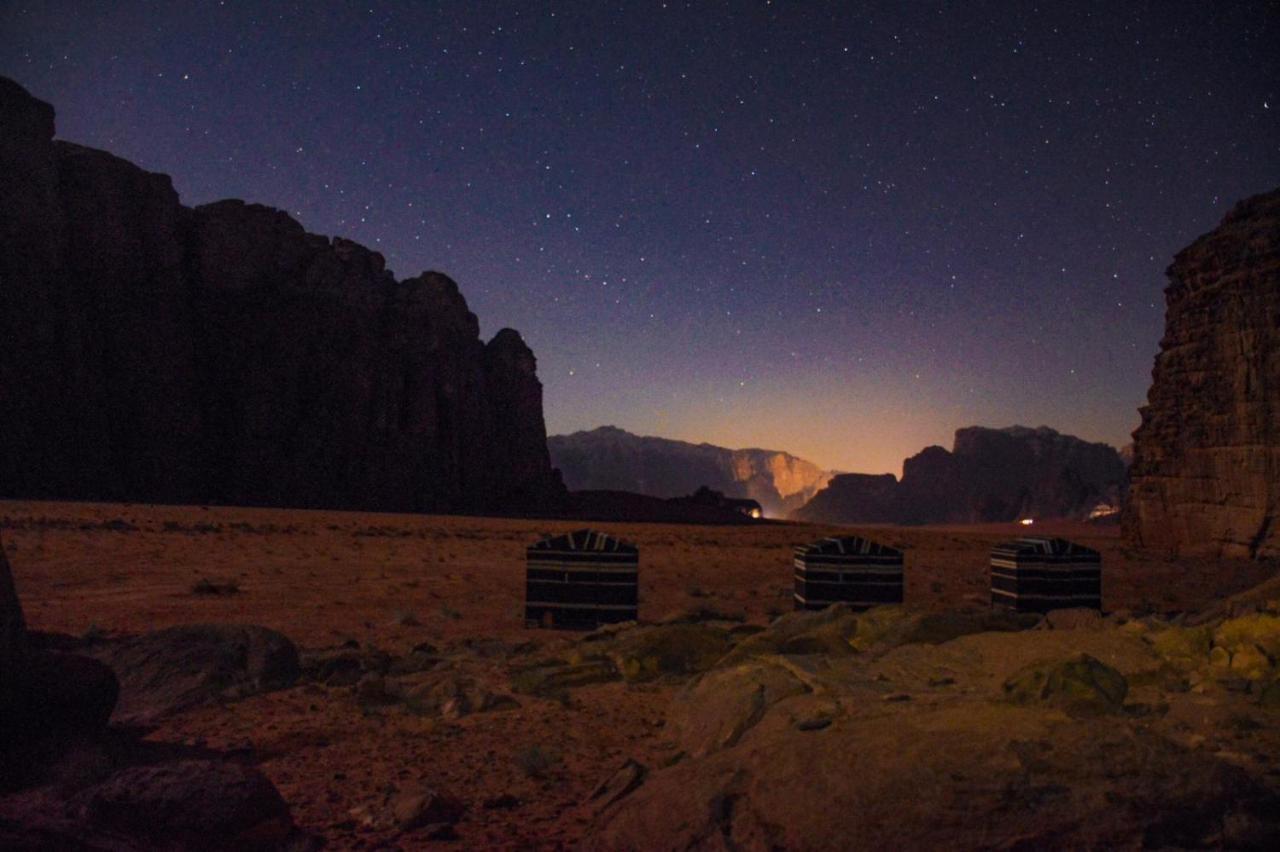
(1041, 574)
(849, 570)
(580, 581)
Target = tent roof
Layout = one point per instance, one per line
(850, 544)
(588, 540)
(1044, 547)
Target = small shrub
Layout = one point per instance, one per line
(536, 761)
(405, 618)
(205, 586)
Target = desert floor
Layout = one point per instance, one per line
(395, 581)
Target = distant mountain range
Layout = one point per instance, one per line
(612, 459)
(989, 475)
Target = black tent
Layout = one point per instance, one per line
(581, 580)
(849, 570)
(1040, 574)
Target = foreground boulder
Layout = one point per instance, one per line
(420, 808)
(947, 777)
(187, 803)
(171, 670)
(60, 694)
(67, 782)
(43, 694)
(1206, 467)
(899, 729)
(715, 711)
(13, 628)
(1083, 686)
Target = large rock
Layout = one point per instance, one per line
(990, 475)
(178, 668)
(1000, 778)
(61, 694)
(13, 629)
(185, 804)
(714, 712)
(1206, 470)
(611, 459)
(196, 804)
(667, 650)
(988, 740)
(1082, 686)
(54, 708)
(44, 694)
(149, 351)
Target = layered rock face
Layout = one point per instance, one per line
(150, 351)
(990, 475)
(611, 459)
(1206, 470)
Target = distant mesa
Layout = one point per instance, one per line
(151, 351)
(705, 496)
(703, 506)
(611, 459)
(1206, 457)
(989, 475)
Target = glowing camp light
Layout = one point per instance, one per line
(1026, 522)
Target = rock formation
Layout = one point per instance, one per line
(13, 627)
(150, 351)
(865, 497)
(611, 459)
(968, 729)
(67, 782)
(1206, 470)
(172, 670)
(990, 475)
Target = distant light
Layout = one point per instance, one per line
(757, 514)
(1026, 522)
(1103, 510)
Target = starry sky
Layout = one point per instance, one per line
(838, 229)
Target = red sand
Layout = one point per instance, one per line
(397, 580)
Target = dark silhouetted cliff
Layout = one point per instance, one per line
(990, 475)
(150, 351)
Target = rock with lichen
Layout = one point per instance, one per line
(668, 651)
(1080, 686)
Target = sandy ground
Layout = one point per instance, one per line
(394, 581)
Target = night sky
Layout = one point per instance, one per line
(842, 230)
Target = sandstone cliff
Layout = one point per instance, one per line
(990, 475)
(864, 498)
(611, 459)
(1206, 468)
(150, 351)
